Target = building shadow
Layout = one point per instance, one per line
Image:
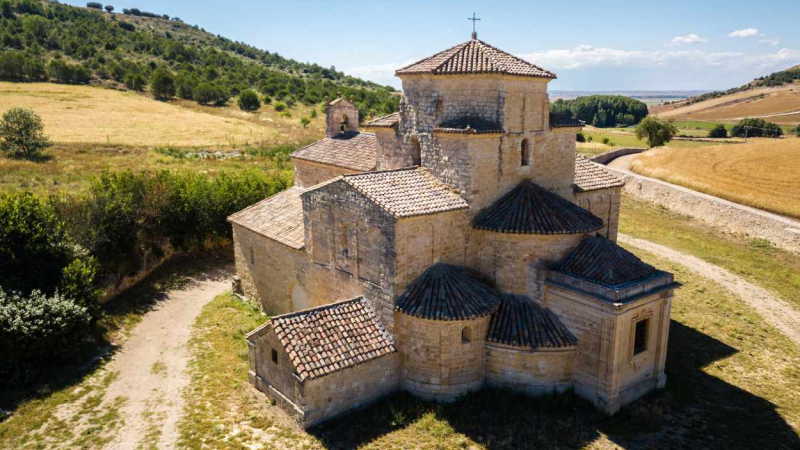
(695, 410)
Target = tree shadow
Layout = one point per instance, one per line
(183, 271)
(695, 410)
(37, 158)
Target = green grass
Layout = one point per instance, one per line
(625, 139)
(731, 384)
(755, 260)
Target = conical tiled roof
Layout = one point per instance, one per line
(531, 209)
(522, 323)
(445, 292)
(600, 260)
(475, 57)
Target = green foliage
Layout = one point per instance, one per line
(580, 137)
(286, 114)
(22, 134)
(110, 8)
(305, 121)
(655, 131)
(16, 65)
(601, 110)
(719, 131)
(63, 72)
(248, 100)
(606, 140)
(279, 106)
(313, 113)
(207, 92)
(186, 82)
(796, 131)
(162, 84)
(135, 82)
(94, 5)
(755, 127)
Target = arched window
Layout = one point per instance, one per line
(416, 151)
(466, 335)
(525, 153)
(345, 123)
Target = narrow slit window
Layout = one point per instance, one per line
(525, 154)
(640, 336)
(252, 255)
(416, 153)
(274, 356)
(466, 335)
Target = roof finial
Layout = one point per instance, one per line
(474, 19)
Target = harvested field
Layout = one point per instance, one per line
(763, 173)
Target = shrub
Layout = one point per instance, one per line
(719, 131)
(580, 137)
(94, 5)
(22, 134)
(286, 114)
(796, 131)
(590, 138)
(313, 113)
(207, 92)
(754, 127)
(606, 140)
(109, 8)
(186, 83)
(134, 81)
(657, 132)
(63, 72)
(280, 106)
(290, 103)
(127, 26)
(305, 121)
(266, 99)
(162, 84)
(248, 100)
(38, 330)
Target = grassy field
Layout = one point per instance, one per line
(84, 114)
(762, 173)
(625, 137)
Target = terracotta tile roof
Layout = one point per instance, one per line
(469, 125)
(351, 150)
(389, 121)
(565, 122)
(279, 217)
(520, 322)
(531, 209)
(406, 192)
(330, 338)
(590, 176)
(602, 261)
(475, 57)
(445, 292)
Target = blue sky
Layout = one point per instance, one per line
(665, 45)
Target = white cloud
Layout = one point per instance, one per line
(747, 32)
(688, 39)
(782, 59)
(589, 56)
(379, 73)
(769, 41)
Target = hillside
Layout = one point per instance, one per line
(48, 41)
(775, 97)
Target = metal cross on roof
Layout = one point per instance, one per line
(474, 19)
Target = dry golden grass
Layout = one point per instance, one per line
(763, 173)
(84, 114)
(693, 109)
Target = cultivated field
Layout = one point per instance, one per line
(85, 114)
(763, 173)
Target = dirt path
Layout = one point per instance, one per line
(776, 311)
(623, 162)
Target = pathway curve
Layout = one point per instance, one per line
(774, 310)
(623, 162)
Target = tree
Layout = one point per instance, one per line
(657, 132)
(719, 131)
(94, 5)
(796, 131)
(754, 127)
(305, 121)
(110, 9)
(134, 81)
(22, 134)
(248, 100)
(162, 84)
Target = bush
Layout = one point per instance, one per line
(755, 127)
(266, 99)
(248, 100)
(162, 84)
(313, 113)
(719, 131)
(606, 141)
(580, 137)
(22, 134)
(186, 83)
(280, 106)
(127, 26)
(94, 5)
(796, 131)
(305, 121)
(206, 93)
(657, 132)
(38, 330)
(286, 114)
(134, 81)
(63, 72)
(109, 8)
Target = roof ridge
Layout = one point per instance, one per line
(513, 56)
(373, 172)
(433, 56)
(316, 308)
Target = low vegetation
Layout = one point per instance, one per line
(602, 110)
(22, 134)
(756, 128)
(761, 173)
(719, 131)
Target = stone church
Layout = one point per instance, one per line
(460, 244)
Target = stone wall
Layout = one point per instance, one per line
(603, 203)
(518, 262)
(307, 173)
(729, 216)
(270, 271)
(534, 372)
(340, 116)
(391, 153)
(351, 244)
(605, 370)
(351, 388)
(607, 157)
(274, 379)
(436, 361)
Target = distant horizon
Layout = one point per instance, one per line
(675, 46)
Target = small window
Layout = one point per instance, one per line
(525, 153)
(274, 356)
(640, 336)
(416, 153)
(252, 255)
(466, 335)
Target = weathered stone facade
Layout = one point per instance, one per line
(493, 263)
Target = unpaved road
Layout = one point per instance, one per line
(150, 368)
(774, 310)
(623, 162)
